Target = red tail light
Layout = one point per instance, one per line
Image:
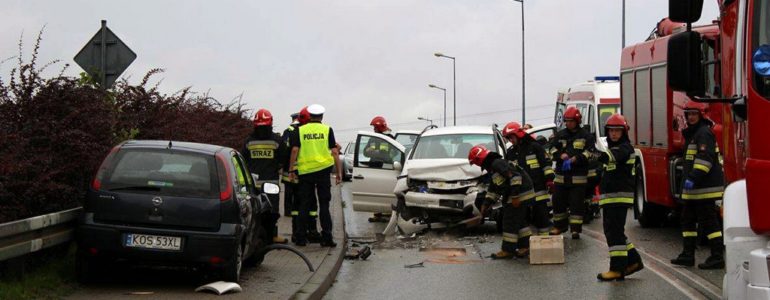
(215, 260)
(97, 183)
(225, 182)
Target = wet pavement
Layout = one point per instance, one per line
(451, 264)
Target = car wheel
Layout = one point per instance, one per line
(232, 271)
(261, 240)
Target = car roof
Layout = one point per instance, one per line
(541, 127)
(459, 130)
(407, 132)
(163, 144)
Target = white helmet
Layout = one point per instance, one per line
(316, 109)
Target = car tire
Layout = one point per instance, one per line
(261, 240)
(232, 270)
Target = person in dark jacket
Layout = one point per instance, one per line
(512, 186)
(573, 150)
(616, 197)
(703, 185)
(263, 151)
(290, 191)
(529, 155)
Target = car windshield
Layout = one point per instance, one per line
(451, 145)
(162, 173)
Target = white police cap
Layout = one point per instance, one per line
(316, 109)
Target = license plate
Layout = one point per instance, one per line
(152, 241)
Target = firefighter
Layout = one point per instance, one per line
(313, 154)
(594, 177)
(529, 155)
(703, 185)
(617, 196)
(263, 151)
(514, 187)
(573, 148)
(290, 192)
(379, 151)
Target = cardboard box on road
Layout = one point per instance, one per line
(546, 249)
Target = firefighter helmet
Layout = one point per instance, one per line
(616, 121)
(572, 113)
(304, 116)
(692, 106)
(379, 123)
(513, 128)
(477, 155)
(263, 118)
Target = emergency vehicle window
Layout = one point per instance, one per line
(606, 111)
(376, 153)
(761, 36)
(710, 68)
(589, 122)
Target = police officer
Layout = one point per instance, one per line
(529, 155)
(617, 196)
(290, 191)
(703, 185)
(314, 152)
(573, 149)
(263, 151)
(514, 187)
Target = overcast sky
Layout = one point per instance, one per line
(358, 58)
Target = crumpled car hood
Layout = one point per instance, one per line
(445, 169)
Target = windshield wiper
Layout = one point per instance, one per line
(139, 187)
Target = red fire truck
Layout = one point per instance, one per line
(734, 78)
(654, 112)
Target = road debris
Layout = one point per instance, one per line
(356, 252)
(417, 265)
(220, 287)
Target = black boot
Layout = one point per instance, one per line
(687, 257)
(717, 258)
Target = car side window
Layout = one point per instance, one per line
(243, 178)
(376, 153)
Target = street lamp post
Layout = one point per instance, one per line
(523, 82)
(454, 86)
(443, 89)
(425, 119)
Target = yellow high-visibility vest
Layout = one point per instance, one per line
(314, 154)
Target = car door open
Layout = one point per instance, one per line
(376, 165)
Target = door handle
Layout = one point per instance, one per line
(358, 177)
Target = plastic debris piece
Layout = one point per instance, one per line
(417, 265)
(220, 287)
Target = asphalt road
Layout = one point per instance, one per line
(455, 266)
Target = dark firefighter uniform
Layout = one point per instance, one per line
(703, 168)
(571, 184)
(616, 197)
(513, 186)
(290, 194)
(594, 178)
(263, 151)
(530, 156)
(314, 165)
(379, 150)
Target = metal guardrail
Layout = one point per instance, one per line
(31, 235)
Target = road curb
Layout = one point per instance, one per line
(326, 272)
(702, 286)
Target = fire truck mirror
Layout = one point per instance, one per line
(685, 67)
(684, 11)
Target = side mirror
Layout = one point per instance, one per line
(685, 71)
(271, 188)
(254, 176)
(685, 11)
(397, 166)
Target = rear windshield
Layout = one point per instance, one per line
(162, 172)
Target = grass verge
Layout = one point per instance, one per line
(49, 275)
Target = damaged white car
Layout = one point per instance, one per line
(434, 186)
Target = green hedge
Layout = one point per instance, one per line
(54, 132)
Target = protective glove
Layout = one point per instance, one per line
(688, 184)
(566, 165)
